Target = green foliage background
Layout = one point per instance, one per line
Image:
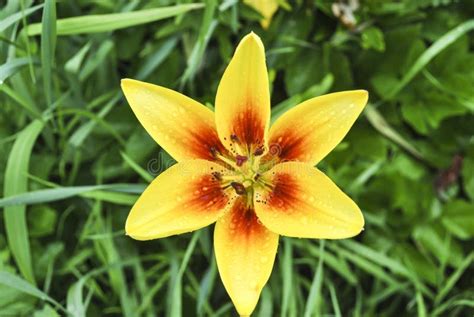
(65, 126)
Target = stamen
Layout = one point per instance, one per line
(227, 161)
(259, 151)
(214, 151)
(234, 138)
(239, 188)
(217, 175)
(230, 177)
(240, 159)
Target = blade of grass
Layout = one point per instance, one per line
(112, 197)
(424, 59)
(449, 284)
(54, 194)
(78, 137)
(155, 60)
(176, 301)
(266, 305)
(31, 109)
(12, 19)
(205, 288)
(207, 28)
(287, 275)
(114, 21)
(48, 45)
(11, 67)
(420, 304)
(314, 91)
(314, 296)
(16, 183)
(137, 168)
(16, 282)
(381, 125)
(335, 303)
(332, 262)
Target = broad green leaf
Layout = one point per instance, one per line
(16, 183)
(372, 38)
(458, 218)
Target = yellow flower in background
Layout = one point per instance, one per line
(255, 182)
(266, 8)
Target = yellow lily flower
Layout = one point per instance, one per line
(266, 8)
(256, 183)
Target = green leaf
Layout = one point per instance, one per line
(41, 221)
(10, 20)
(114, 21)
(47, 311)
(314, 296)
(13, 281)
(176, 287)
(372, 38)
(11, 67)
(314, 91)
(458, 218)
(16, 183)
(207, 28)
(468, 175)
(430, 53)
(48, 45)
(54, 194)
(381, 125)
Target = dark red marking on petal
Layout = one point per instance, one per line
(207, 194)
(249, 127)
(284, 194)
(244, 221)
(204, 143)
(287, 147)
(291, 147)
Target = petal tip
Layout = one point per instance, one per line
(362, 96)
(252, 39)
(246, 307)
(127, 83)
(358, 225)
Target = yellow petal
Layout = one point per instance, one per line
(245, 253)
(305, 203)
(243, 98)
(181, 126)
(267, 9)
(185, 197)
(312, 129)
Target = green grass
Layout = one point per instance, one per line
(73, 157)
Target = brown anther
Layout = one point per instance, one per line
(217, 175)
(259, 151)
(238, 187)
(234, 138)
(256, 177)
(214, 151)
(240, 160)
